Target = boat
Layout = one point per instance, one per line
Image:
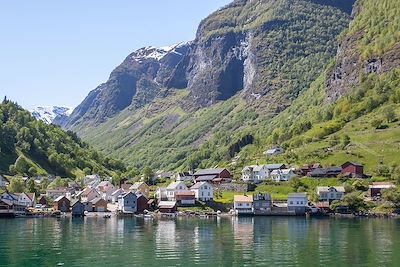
(107, 216)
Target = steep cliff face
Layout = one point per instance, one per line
(360, 52)
(269, 50)
(133, 83)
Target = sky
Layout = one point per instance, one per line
(56, 52)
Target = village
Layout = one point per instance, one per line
(206, 192)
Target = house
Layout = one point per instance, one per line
(88, 206)
(255, 173)
(352, 169)
(43, 201)
(3, 182)
(243, 204)
(262, 203)
(127, 203)
(325, 172)
(161, 194)
(184, 176)
(114, 196)
(78, 209)
(175, 187)
(10, 197)
(140, 188)
(62, 204)
(125, 186)
(274, 151)
(55, 193)
(99, 204)
(105, 189)
(185, 198)
(215, 176)
(275, 166)
(375, 189)
(142, 203)
(167, 206)
(307, 168)
(26, 199)
(329, 194)
(164, 175)
(297, 202)
(6, 208)
(282, 175)
(203, 191)
(88, 194)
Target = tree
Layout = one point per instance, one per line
(376, 123)
(295, 183)
(354, 201)
(16, 185)
(30, 186)
(22, 165)
(391, 195)
(147, 174)
(389, 114)
(345, 140)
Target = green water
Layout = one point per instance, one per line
(188, 242)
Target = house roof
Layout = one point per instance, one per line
(381, 185)
(104, 183)
(326, 188)
(117, 192)
(351, 163)
(7, 202)
(97, 200)
(87, 191)
(31, 196)
(58, 190)
(255, 168)
(128, 193)
(126, 186)
(136, 185)
(76, 202)
(281, 171)
(174, 185)
(59, 198)
(141, 196)
(184, 193)
(240, 198)
(167, 204)
(275, 166)
(205, 178)
(297, 195)
(209, 171)
(198, 185)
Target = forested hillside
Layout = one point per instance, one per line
(31, 147)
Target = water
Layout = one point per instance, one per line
(267, 241)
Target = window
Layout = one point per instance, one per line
(202, 193)
(291, 202)
(297, 203)
(208, 193)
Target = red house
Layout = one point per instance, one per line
(352, 169)
(62, 204)
(216, 176)
(142, 203)
(43, 201)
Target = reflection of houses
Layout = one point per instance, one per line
(375, 189)
(297, 202)
(255, 173)
(329, 194)
(203, 191)
(243, 204)
(282, 175)
(62, 204)
(215, 176)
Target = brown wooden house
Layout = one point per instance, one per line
(352, 169)
(99, 205)
(43, 201)
(215, 176)
(167, 206)
(62, 204)
(142, 203)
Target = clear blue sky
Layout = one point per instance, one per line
(55, 52)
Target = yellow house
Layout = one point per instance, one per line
(140, 188)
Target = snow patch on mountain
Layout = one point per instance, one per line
(48, 114)
(157, 53)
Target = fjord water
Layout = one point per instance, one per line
(268, 241)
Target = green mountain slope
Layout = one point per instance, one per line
(31, 147)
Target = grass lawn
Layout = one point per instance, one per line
(227, 197)
(196, 209)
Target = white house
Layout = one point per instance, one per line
(161, 193)
(140, 188)
(203, 191)
(274, 151)
(3, 181)
(243, 204)
(297, 202)
(329, 194)
(91, 180)
(184, 176)
(175, 187)
(55, 193)
(127, 203)
(88, 194)
(105, 189)
(282, 175)
(116, 194)
(255, 173)
(26, 199)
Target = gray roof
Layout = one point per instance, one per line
(59, 198)
(198, 185)
(209, 171)
(297, 195)
(274, 166)
(95, 200)
(206, 178)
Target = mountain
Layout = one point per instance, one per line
(52, 114)
(32, 147)
(295, 72)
